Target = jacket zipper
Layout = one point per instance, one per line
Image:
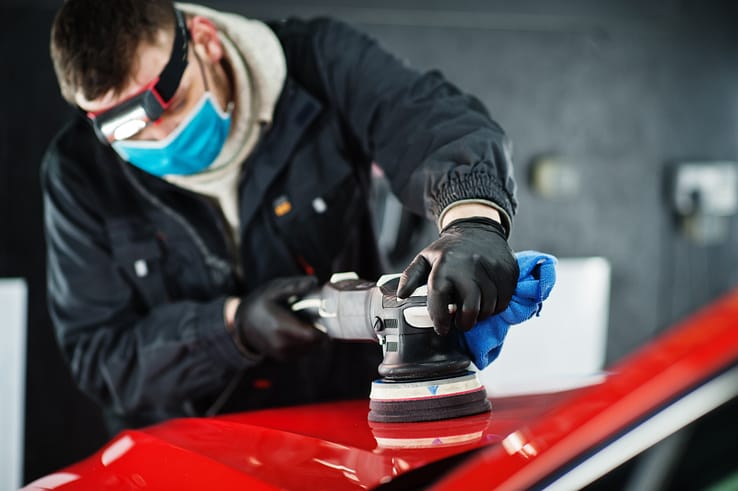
(216, 265)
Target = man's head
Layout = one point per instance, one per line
(95, 46)
(150, 80)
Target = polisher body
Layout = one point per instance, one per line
(424, 376)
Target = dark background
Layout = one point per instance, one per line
(618, 90)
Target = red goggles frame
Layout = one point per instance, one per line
(138, 111)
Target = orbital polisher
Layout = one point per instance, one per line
(424, 376)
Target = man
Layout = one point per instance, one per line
(219, 168)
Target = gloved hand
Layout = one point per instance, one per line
(471, 267)
(265, 324)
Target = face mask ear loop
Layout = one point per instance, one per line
(202, 70)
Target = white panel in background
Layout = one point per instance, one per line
(12, 381)
(565, 346)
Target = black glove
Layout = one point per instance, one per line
(470, 266)
(265, 324)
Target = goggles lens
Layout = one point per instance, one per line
(134, 114)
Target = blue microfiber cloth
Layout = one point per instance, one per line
(537, 278)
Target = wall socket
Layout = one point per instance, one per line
(704, 195)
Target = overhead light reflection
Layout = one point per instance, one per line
(516, 443)
(53, 481)
(334, 466)
(116, 450)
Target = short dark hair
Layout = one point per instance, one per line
(94, 42)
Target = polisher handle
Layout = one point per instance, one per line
(341, 308)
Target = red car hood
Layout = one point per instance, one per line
(325, 446)
(333, 446)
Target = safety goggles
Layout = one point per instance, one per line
(135, 113)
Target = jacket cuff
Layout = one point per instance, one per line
(220, 343)
(476, 185)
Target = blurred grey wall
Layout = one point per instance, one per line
(618, 91)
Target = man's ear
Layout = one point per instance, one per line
(205, 38)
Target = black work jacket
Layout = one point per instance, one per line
(139, 269)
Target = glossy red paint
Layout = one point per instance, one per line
(687, 354)
(333, 446)
(325, 446)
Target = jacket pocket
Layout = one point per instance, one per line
(316, 217)
(138, 255)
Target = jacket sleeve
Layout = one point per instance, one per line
(127, 360)
(435, 144)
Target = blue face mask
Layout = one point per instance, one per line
(189, 149)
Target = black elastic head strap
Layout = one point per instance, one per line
(172, 73)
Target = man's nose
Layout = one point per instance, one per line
(158, 130)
